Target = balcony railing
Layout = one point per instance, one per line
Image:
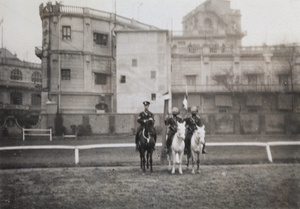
(14, 107)
(56, 9)
(235, 88)
(19, 84)
(215, 49)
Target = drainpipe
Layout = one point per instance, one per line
(113, 60)
(59, 66)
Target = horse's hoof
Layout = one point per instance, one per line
(193, 172)
(172, 172)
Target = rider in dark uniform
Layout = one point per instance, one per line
(172, 123)
(191, 123)
(142, 119)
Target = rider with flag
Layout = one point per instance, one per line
(172, 123)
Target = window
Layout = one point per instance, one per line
(134, 62)
(208, 23)
(191, 80)
(252, 79)
(284, 82)
(101, 39)
(35, 99)
(223, 110)
(100, 79)
(221, 79)
(153, 97)
(16, 75)
(252, 110)
(16, 98)
(36, 77)
(123, 79)
(66, 32)
(153, 74)
(65, 74)
(2, 75)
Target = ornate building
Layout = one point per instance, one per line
(20, 91)
(221, 76)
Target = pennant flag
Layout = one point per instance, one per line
(185, 101)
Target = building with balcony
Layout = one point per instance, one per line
(78, 56)
(221, 76)
(20, 90)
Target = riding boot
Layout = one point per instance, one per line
(137, 144)
(203, 150)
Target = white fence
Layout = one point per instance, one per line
(98, 146)
(37, 132)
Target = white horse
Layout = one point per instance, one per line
(177, 147)
(197, 142)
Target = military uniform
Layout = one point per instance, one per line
(191, 123)
(142, 119)
(172, 123)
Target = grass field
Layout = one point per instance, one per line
(217, 186)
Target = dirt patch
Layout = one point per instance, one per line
(223, 186)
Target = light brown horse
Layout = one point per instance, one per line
(197, 142)
(177, 147)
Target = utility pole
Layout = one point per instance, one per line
(1, 22)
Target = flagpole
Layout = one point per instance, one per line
(1, 23)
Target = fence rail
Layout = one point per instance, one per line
(37, 132)
(124, 145)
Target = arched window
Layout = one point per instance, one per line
(208, 23)
(16, 75)
(36, 77)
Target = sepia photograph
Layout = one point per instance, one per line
(150, 104)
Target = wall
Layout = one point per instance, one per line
(215, 124)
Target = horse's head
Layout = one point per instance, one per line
(150, 122)
(149, 127)
(181, 130)
(200, 133)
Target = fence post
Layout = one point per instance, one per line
(23, 134)
(50, 134)
(269, 153)
(76, 156)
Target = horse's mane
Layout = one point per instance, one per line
(201, 130)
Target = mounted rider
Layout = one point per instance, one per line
(142, 119)
(172, 123)
(191, 123)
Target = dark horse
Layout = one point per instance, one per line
(147, 144)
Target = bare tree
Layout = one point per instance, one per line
(287, 55)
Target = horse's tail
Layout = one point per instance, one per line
(177, 158)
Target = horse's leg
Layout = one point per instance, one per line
(147, 159)
(151, 152)
(198, 162)
(174, 161)
(169, 160)
(180, 161)
(193, 161)
(144, 162)
(187, 161)
(141, 156)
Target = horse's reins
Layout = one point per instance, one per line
(148, 138)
